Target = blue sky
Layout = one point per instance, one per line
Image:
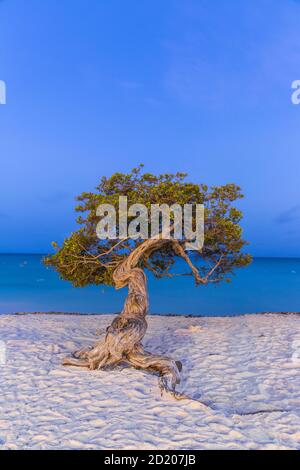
(100, 86)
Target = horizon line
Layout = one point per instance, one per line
(46, 254)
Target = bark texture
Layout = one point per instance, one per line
(123, 340)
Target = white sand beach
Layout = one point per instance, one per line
(245, 369)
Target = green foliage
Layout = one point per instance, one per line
(84, 259)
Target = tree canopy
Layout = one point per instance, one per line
(85, 259)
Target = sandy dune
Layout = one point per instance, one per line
(246, 369)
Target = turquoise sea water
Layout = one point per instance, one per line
(268, 284)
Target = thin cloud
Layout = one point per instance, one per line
(289, 216)
(130, 84)
(54, 198)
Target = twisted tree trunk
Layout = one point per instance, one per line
(123, 340)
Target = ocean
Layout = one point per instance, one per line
(267, 285)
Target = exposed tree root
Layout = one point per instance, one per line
(123, 340)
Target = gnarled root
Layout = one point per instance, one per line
(122, 342)
(122, 345)
(168, 369)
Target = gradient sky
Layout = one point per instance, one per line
(99, 86)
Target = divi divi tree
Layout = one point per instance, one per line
(85, 259)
